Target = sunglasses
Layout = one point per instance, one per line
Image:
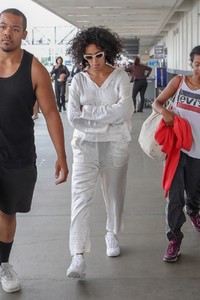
(98, 55)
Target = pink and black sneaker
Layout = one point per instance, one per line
(173, 251)
(195, 221)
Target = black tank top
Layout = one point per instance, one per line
(17, 98)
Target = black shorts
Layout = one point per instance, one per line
(16, 189)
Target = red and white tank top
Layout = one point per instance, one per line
(187, 105)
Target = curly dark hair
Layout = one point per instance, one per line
(100, 36)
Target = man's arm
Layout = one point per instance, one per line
(46, 99)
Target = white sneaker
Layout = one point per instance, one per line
(77, 267)
(112, 244)
(8, 278)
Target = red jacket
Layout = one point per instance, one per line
(172, 139)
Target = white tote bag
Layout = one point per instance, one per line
(146, 137)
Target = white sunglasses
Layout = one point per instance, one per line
(98, 55)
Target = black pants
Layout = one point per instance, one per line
(139, 86)
(60, 89)
(184, 191)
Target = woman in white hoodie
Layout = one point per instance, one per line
(100, 109)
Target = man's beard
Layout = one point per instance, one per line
(6, 49)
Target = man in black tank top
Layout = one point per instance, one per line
(23, 79)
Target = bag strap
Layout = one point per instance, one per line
(180, 82)
(171, 100)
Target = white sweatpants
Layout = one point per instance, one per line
(109, 160)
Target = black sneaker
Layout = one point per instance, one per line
(173, 251)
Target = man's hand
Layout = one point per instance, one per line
(61, 171)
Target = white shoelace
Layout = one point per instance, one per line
(112, 242)
(8, 272)
(77, 259)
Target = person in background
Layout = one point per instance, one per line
(139, 73)
(184, 191)
(18, 172)
(99, 109)
(76, 69)
(60, 74)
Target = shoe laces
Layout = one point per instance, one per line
(77, 259)
(172, 246)
(112, 241)
(7, 271)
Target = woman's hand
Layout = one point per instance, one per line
(168, 116)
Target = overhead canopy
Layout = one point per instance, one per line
(141, 23)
